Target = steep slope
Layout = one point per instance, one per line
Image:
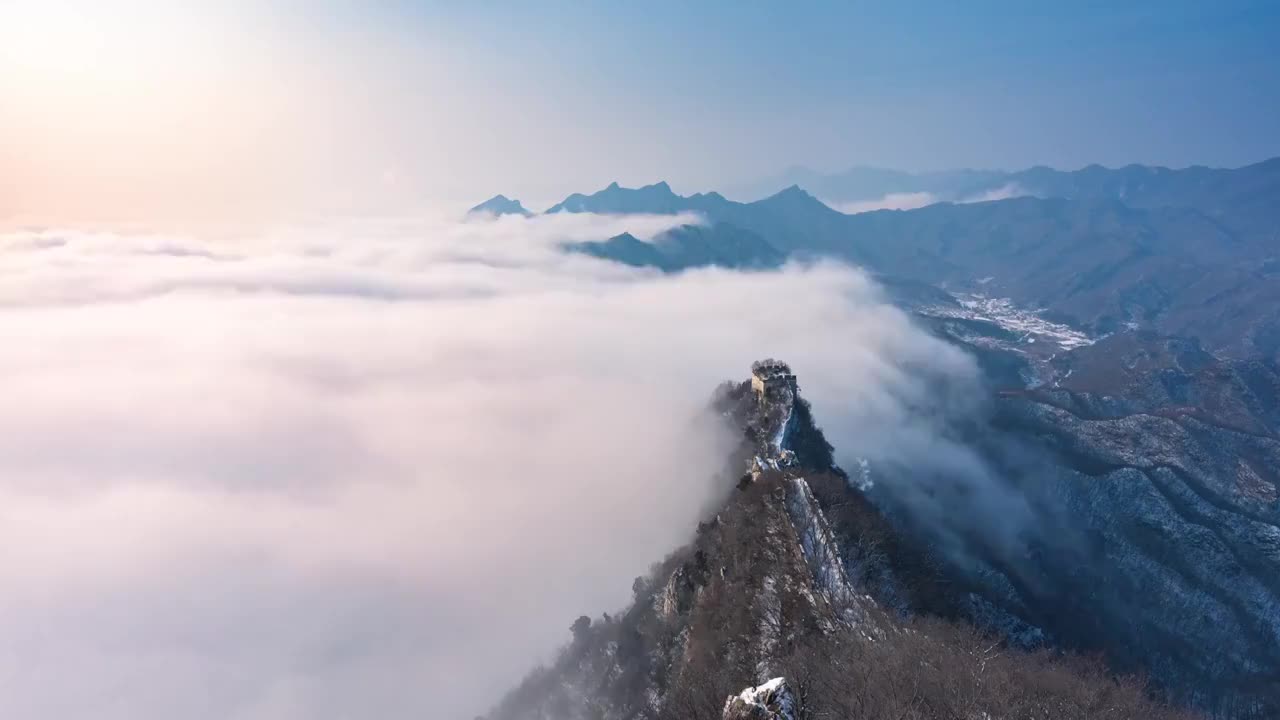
(1168, 557)
(775, 595)
(626, 249)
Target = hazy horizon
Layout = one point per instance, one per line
(141, 109)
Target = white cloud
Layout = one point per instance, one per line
(1004, 192)
(914, 200)
(374, 468)
(892, 201)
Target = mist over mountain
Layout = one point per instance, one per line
(475, 361)
(689, 246)
(381, 464)
(320, 478)
(1216, 191)
(1123, 436)
(1182, 252)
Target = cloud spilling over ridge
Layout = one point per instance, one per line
(1004, 192)
(892, 201)
(374, 468)
(914, 200)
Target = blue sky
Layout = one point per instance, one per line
(913, 85)
(458, 101)
(706, 93)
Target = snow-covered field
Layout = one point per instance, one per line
(1027, 324)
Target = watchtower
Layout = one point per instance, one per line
(770, 377)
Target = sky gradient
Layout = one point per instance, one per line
(139, 109)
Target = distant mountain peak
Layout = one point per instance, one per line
(659, 188)
(655, 198)
(500, 205)
(797, 197)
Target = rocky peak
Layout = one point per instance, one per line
(795, 199)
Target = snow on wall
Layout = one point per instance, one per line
(780, 438)
(821, 553)
(772, 700)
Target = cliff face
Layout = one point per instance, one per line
(799, 590)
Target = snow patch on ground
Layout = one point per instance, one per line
(860, 478)
(1027, 324)
(772, 699)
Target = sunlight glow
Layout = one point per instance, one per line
(107, 103)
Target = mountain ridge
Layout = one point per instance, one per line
(867, 183)
(776, 591)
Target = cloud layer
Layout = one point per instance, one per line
(374, 468)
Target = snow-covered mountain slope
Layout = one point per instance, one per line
(1171, 549)
(1149, 468)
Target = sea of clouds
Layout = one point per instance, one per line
(375, 467)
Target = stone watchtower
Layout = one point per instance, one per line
(769, 378)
